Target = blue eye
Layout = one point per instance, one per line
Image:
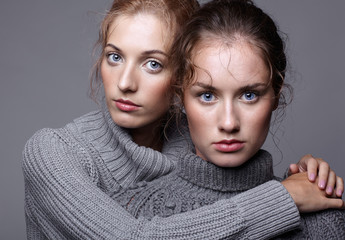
(249, 96)
(154, 66)
(114, 58)
(207, 97)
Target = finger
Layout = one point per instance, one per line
(312, 166)
(323, 174)
(335, 203)
(339, 187)
(303, 162)
(331, 183)
(293, 169)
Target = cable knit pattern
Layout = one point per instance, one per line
(327, 224)
(73, 173)
(197, 183)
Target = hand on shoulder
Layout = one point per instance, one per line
(307, 195)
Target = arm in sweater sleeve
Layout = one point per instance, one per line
(64, 202)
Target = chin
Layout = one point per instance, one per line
(125, 123)
(230, 162)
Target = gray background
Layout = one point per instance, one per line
(46, 56)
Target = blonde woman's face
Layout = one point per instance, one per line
(229, 105)
(134, 71)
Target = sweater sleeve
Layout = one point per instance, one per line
(63, 202)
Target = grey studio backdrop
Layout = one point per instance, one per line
(46, 57)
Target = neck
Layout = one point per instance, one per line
(149, 136)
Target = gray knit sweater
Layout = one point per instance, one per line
(196, 183)
(72, 174)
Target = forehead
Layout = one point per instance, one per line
(143, 29)
(239, 60)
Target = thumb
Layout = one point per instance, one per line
(293, 169)
(335, 203)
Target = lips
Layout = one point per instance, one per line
(229, 146)
(126, 105)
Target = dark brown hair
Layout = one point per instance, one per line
(174, 13)
(230, 21)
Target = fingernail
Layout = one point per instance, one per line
(322, 184)
(312, 177)
(329, 190)
(339, 193)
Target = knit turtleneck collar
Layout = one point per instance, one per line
(256, 171)
(127, 161)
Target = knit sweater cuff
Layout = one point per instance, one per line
(268, 210)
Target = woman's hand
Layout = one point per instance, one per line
(308, 196)
(317, 167)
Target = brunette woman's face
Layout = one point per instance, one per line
(229, 105)
(134, 72)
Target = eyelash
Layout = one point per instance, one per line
(242, 96)
(201, 94)
(110, 55)
(159, 69)
(255, 98)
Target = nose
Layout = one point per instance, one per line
(128, 81)
(229, 119)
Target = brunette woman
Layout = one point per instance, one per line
(73, 173)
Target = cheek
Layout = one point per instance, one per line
(262, 123)
(159, 89)
(197, 121)
(161, 93)
(163, 89)
(105, 74)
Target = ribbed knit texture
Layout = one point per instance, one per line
(72, 173)
(197, 183)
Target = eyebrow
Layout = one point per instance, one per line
(246, 87)
(204, 85)
(149, 52)
(113, 46)
(254, 85)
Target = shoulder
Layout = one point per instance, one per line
(322, 217)
(51, 149)
(50, 138)
(43, 148)
(328, 224)
(44, 140)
